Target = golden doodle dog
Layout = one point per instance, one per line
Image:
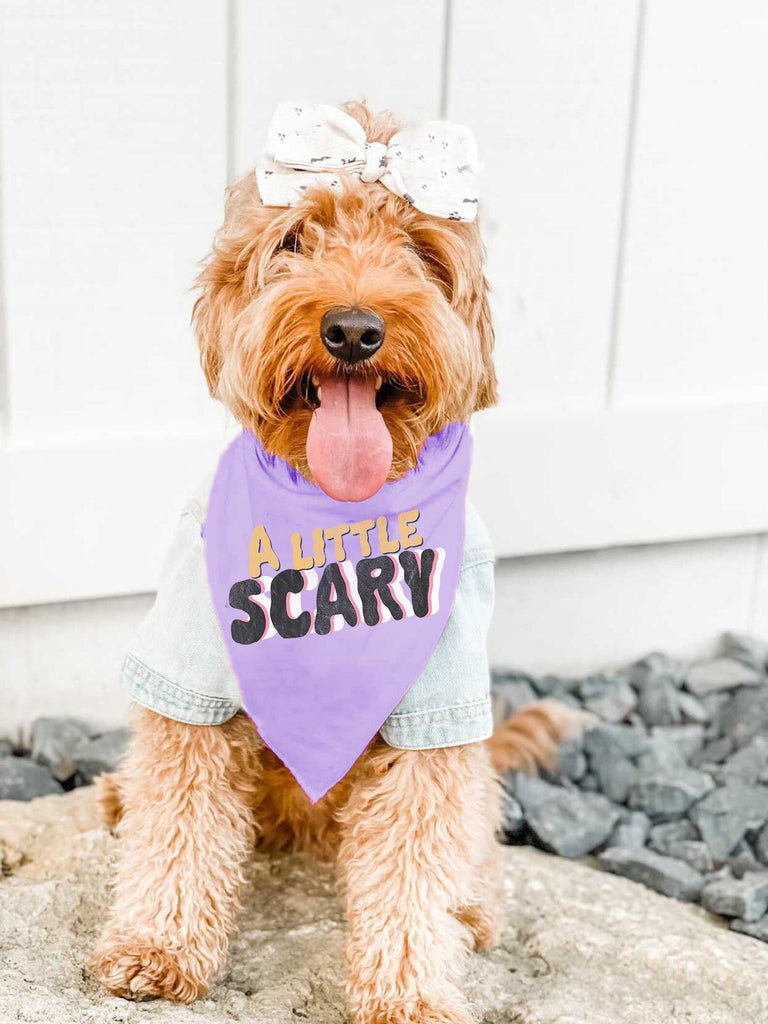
(412, 830)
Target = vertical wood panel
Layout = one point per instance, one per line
(389, 54)
(114, 157)
(694, 310)
(547, 88)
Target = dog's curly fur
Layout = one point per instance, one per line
(412, 830)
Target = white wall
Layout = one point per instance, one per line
(627, 218)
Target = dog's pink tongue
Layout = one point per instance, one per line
(349, 448)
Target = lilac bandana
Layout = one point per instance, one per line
(331, 609)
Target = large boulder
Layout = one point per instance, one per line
(578, 946)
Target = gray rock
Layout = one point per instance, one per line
(22, 779)
(687, 738)
(608, 739)
(663, 836)
(749, 763)
(664, 796)
(743, 860)
(743, 715)
(694, 852)
(572, 823)
(632, 832)
(616, 775)
(560, 689)
(662, 755)
(724, 816)
(54, 741)
(6, 748)
(713, 752)
(721, 674)
(693, 709)
(512, 819)
(757, 929)
(746, 898)
(746, 649)
(98, 754)
(713, 703)
(511, 694)
(656, 666)
(665, 875)
(761, 845)
(529, 790)
(589, 783)
(658, 702)
(611, 698)
(573, 762)
(553, 686)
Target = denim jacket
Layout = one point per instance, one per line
(178, 664)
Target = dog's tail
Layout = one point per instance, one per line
(530, 738)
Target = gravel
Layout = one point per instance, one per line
(64, 753)
(664, 874)
(669, 788)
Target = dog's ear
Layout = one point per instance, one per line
(454, 255)
(482, 325)
(230, 274)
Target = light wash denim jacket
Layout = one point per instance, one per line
(178, 664)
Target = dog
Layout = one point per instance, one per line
(411, 830)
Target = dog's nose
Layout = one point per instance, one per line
(352, 334)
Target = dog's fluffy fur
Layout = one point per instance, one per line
(412, 830)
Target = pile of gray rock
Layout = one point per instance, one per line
(63, 753)
(669, 788)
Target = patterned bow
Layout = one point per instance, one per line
(433, 165)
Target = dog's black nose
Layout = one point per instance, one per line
(352, 334)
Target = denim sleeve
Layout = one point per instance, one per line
(450, 702)
(178, 664)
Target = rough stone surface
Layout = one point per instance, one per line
(21, 779)
(616, 775)
(724, 816)
(619, 739)
(611, 698)
(579, 946)
(54, 741)
(573, 760)
(668, 795)
(664, 874)
(658, 702)
(512, 818)
(662, 836)
(572, 823)
(98, 754)
(632, 832)
(721, 674)
(693, 852)
(757, 929)
(746, 898)
(689, 739)
(749, 649)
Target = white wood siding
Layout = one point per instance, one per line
(626, 213)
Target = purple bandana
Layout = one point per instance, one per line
(331, 609)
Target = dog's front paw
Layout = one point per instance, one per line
(421, 1011)
(137, 969)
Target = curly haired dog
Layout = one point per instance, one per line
(412, 831)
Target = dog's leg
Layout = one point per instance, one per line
(412, 843)
(187, 827)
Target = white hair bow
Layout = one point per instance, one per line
(433, 165)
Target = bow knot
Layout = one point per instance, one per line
(433, 166)
(375, 161)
